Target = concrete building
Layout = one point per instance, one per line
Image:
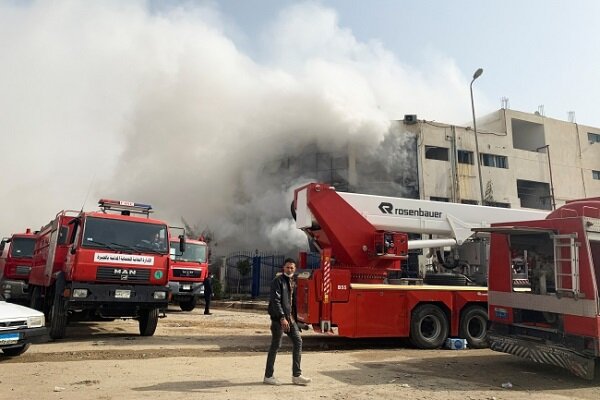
(527, 160)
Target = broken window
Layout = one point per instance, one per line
(527, 135)
(436, 153)
(534, 194)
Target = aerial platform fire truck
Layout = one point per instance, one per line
(363, 241)
(101, 265)
(543, 295)
(187, 272)
(16, 256)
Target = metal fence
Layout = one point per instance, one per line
(250, 272)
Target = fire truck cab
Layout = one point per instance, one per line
(16, 256)
(543, 288)
(363, 240)
(101, 265)
(187, 271)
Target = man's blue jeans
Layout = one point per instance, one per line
(276, 335)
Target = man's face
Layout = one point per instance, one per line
(289, 268)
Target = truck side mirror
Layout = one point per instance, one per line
(181, 244)
(73, 249)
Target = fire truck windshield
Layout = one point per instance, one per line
(122, 235)
(193, 252)
(22, 247)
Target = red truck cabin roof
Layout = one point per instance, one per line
(196, 251)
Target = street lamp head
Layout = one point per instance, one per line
(477, 73)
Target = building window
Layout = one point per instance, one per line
(436, 153)
(534, 194)
(497, 204)
(466, 201)
(494, 160)
(527, 135)
(465, 157)
(444, 199)
(593, 137)
(596, 175)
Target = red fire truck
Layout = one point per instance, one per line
(187, 272)
(363, 241)
(102, 265)
(15, 265)
(543, 295)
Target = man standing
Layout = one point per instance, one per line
(208, 291)
(283, 313)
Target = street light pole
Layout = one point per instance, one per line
(476, 75)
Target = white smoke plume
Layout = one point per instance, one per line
(161, 106)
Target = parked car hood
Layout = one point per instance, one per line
(12, 311)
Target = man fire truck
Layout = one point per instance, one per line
(106, 264)
(15, 265)
(543, 288)
(187, 272)
(363, 240)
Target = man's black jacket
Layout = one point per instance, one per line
(279, 303)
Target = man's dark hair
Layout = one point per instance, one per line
(289, 260)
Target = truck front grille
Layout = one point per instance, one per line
(186, 273)
(120, 274)
(22, 270)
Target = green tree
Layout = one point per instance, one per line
(244, 267)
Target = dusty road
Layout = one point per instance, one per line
(222, 356)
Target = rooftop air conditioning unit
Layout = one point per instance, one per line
(410, 119)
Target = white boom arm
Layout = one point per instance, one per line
(451, 223)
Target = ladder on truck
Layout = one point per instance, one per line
(566, 265)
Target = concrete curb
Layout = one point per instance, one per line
(259, 305)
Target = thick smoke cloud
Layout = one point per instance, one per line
(115, 99)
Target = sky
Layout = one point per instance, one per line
(178, 104)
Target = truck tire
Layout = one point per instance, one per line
(16, 351)
(35, 301)
(446, 279)
(58, 319)
(474, 327)
(428, 327)
(188, 305)
(148, 320)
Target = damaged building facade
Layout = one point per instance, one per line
(527, 161)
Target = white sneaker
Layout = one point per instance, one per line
(301, 380)
(271, 381)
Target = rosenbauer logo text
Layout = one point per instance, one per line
(388, 208)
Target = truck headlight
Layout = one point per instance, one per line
(35, 322)
(80, 293)
(160, 295)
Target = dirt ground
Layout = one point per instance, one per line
(222, 356)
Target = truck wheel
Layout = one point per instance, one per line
(35, 301)
(58, 319)
(474, 327)
(16, 351)
(428, 327)
(148, 320)
(188, 305)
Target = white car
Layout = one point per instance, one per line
(19, 327)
